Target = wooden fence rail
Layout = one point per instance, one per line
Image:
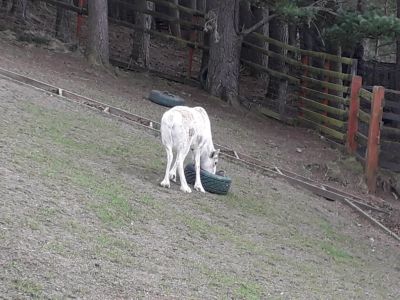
(321, 55)
(296, 63)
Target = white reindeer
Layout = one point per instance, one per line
(183, 129)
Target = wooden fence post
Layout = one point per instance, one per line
(305, 61)
(193, 38)
(352, 127)
(373, 147)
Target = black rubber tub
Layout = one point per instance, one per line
(212, 183)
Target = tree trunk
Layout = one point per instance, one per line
(358, 51)
(4, 4)
(113, 9)
(64, 23)
(205, 6)
(225, 46)
(397, 87)
(261, 59)
(175, 27)
(292, 38)
(97, 51)
(141, 40)
(249, 15)
(19, 8)
(202, 6)
(278, 88)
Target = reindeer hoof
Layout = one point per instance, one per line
(165, 184)
(186, 189)
(199, 188)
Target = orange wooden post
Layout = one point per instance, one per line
(372, 159)
(352, 128)
(79, 20)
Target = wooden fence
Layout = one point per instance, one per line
(324, 97)
(390, 131)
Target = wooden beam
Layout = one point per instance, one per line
(160, 34)
(322, 55)
(372, 158)
(185, 9)
(66, 6)
(317, 117)
(297, 63)
(324, 107)
(364, 117)
(323, 129)
(362, 139)
(352, 128)
(322, 95)
(391, 116)
(390, 132)
(271, 72)
(324, 84)
(365, 94)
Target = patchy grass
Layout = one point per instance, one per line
(336, 254)
(88, 196)
(249, 291)
(115, 250)
(332, 243)
(33, 224)
(115, 209)
(234, 286)
(74, 134)
(28, 287)
(55, 247)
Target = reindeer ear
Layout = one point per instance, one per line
(215, 153)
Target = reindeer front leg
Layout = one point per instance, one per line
(197, 185)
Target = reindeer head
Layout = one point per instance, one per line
(209, 162)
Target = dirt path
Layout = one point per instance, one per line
(82, 216)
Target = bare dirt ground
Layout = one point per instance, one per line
(82, 214)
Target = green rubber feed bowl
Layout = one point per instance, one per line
(212, 183)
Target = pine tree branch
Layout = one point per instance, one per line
(257, 25)
(317, 6)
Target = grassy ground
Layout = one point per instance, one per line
(82, 215)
